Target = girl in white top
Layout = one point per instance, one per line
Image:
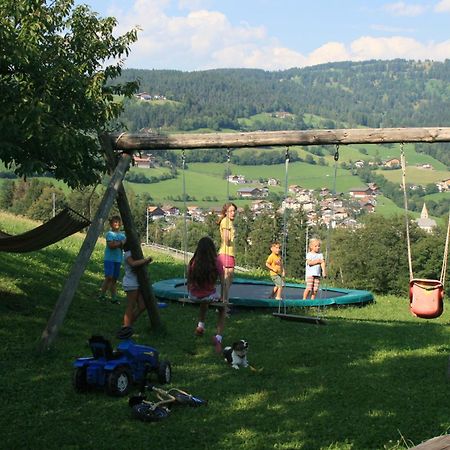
(315, 268)
(130, 284)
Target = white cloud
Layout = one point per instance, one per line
(368, 47)
(404, 9)
(250, 56)
(443, 6)
(331, 51)
(202, 39)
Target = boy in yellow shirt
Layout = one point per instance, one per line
(276, 270)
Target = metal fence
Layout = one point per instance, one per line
(180, 254)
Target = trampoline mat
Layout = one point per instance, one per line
(263, 291)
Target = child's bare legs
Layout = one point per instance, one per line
(113, 288)
(278, 291)
(221, 321)
(217, 339)
(227, 282)
(315, 288)
(106, 285)
(135, 307)
(109, 284)
(202, 313)
(306, 293)
(201, 319)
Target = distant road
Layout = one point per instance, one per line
(179, 254)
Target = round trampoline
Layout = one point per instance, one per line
(255, 294)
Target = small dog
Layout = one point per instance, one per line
(236, 355)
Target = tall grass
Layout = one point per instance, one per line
(372, 378)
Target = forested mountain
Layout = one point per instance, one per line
(371, 93)
(396, 93)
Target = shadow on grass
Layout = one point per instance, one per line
(356, 383)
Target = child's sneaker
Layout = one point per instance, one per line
(199, 331)
(115, 301)
(217, 344)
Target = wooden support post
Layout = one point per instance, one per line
(66, 296)
(136, 251)
(134, 244)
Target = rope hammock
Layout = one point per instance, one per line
(64, 224)
(426, 296)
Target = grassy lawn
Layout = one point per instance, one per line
(386, 207)
(438, 196)
(415, 175)
(205, 179)
(372, 378)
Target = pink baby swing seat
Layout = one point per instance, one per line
(426, 298)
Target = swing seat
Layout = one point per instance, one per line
(426, 298)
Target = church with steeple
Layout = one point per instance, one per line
(424, 222)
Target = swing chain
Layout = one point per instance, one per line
(183, 158)
(336, 153)
(228, 155)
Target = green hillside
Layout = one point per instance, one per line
(416, 175)
(207, 179)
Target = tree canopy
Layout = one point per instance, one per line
(56, 66)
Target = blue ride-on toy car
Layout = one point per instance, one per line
(117, 370)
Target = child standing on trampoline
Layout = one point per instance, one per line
(226, 250)
(275, 265)
(203, 272)
(115, 239)
(315, 269)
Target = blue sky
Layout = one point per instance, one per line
(278, 34)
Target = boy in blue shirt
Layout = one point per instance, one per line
(115, 239)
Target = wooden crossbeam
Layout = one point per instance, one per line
(152, 141)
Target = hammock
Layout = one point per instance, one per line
(64, 224)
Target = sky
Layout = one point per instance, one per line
(194, 35)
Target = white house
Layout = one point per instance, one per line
(251, 192)
(236, 179)
(273, 182)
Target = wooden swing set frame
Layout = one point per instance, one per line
(125, 144)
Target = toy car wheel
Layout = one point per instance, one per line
(164, 372)
(119, 381)
(79, 379)
(148, 413)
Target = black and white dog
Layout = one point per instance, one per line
(236, 355)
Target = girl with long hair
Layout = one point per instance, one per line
(203, 272)
(226, 250)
